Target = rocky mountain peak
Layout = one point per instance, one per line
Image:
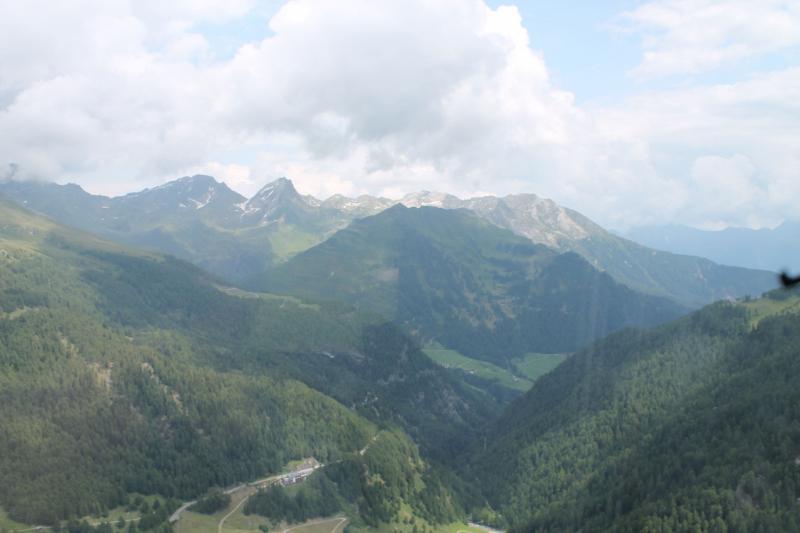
(364, 205)
(274, 193)
(186, 184)
(190, 192)
(432, 199)
(541, 220)
(273, 201)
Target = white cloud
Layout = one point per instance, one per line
(695, 36)
(385, 98)
(727, 183)
(755, 119)
(419, 82)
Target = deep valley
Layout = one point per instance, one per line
(294, 365)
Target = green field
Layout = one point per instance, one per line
(459, 526)
(764, 307)
(535, 365)
(334, 525)
(6, 524)
(241, 293)
(443, 356)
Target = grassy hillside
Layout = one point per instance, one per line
(476, 288)
(124, 371)
(535, 365)
(690, 426)
(690, 281)
(778, 301)
(482, 369)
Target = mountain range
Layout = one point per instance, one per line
(198, 219)
(768, 249)
(451, 276)
(127, 372)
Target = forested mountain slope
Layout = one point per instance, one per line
(479, 289)
(123, 370)
(690, 426)
(198, 219)
(691, 281)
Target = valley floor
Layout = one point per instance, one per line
(531, 367)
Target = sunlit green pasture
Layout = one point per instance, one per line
(241, 293)
(763, 307)
(443, 356)
(535, 365)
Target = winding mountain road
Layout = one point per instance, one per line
(221, 522)
(177, 514)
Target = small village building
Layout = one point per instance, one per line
(293, 479)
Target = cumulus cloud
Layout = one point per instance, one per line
(753, 120)
(725, 181)
(384, 98)
(414, 82)
(695, 36)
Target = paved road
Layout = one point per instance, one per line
(177, 514)
(219, 529)
(485, 528)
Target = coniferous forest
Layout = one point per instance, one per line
(126, 372)
(691, 426)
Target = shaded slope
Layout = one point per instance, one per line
(452, 276)
(684, 426)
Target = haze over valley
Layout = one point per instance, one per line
(336, 320)
(438, 266)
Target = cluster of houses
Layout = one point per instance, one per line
(294, 478)
(298, 475)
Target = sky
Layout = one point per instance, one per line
(631, 112)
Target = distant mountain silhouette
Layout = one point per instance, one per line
(767, 249)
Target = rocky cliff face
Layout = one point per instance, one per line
(541, 220)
